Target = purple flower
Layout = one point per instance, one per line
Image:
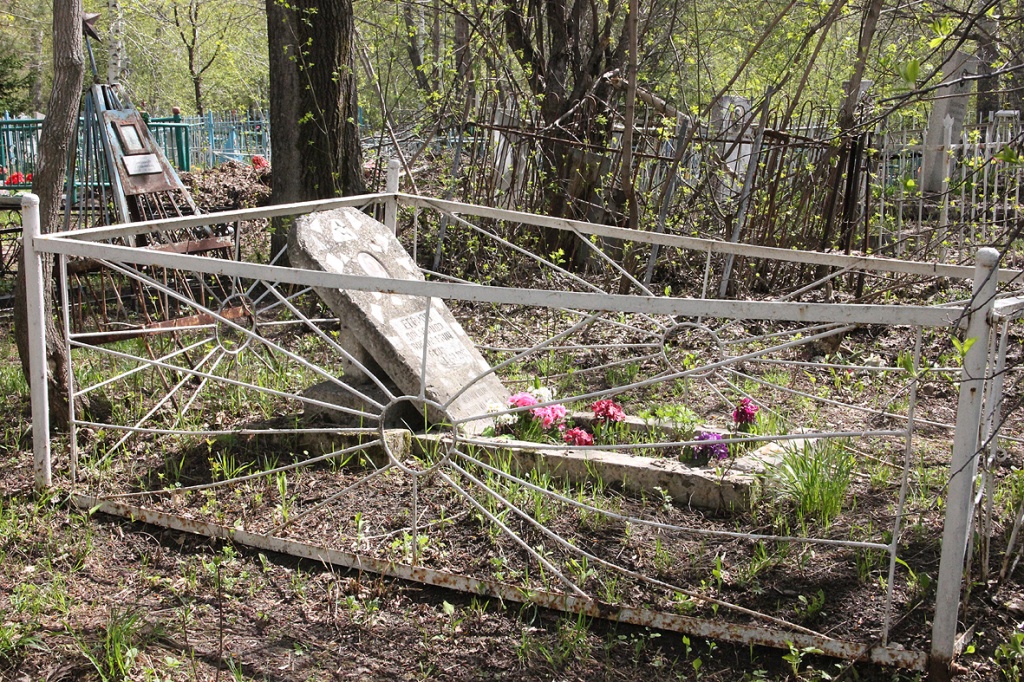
(745, 412)
(712, 447)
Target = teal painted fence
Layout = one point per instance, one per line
(213, 139)
(188, 142)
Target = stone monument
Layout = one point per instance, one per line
(729, 125)
(385, 332)
(949, 101)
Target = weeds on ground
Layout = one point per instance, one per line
(814, 479)
(114, 655)
(571, 643)
(1010, 657)
(14, 643)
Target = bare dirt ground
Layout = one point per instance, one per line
(169, 605)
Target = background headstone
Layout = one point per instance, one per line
(729, 119)
(390, 327)
(862, 91)
(950, 100)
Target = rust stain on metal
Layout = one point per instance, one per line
(736, 633)
(128, 140)
(100, 338)
(195, 245)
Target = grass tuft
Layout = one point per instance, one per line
(814, 480)
(122, 640)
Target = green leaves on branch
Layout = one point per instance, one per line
(1007, 155)
(963, 346)
(910, 71)
(942, 28)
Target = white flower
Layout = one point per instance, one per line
(543, 394)
(505, 419)
(501, 416)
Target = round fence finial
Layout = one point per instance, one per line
(988, 256)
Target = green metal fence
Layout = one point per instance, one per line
(215, 138)
(187, 142)
(19, 146)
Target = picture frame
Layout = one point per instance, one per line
(131, 139)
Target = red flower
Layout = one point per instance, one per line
(577, 436)
(260, 163)
(745, 412)
(608, 410)
(16, 179)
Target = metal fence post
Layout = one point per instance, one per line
(748, 188)
(210, 139)
(391, 204)
(947, 170)
(963, 467)
(35, 304)
(184, 162)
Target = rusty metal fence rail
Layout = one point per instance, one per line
(195, 409)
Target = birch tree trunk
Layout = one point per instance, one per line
(115, 41)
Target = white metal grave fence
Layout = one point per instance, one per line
(977, 202)
(198, 372)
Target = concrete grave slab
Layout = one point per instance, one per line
(390, 327)
(697, 487)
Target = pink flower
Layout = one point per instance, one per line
(550, 415)
(608, 410)
(260, 163)
(745, 412)
(522, 399)
(577, 436)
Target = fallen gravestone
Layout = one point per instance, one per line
(389, 328)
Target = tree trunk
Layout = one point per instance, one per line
(462, 53)
(197, 89)
(328, 124)
(35, 92)
(847, 122)
(565, 50)
(313, 107)
(435, 35)
(115, 41)
(48, 184)
(284, 112)
(415, 50)
(628, 191)
(847, 117)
